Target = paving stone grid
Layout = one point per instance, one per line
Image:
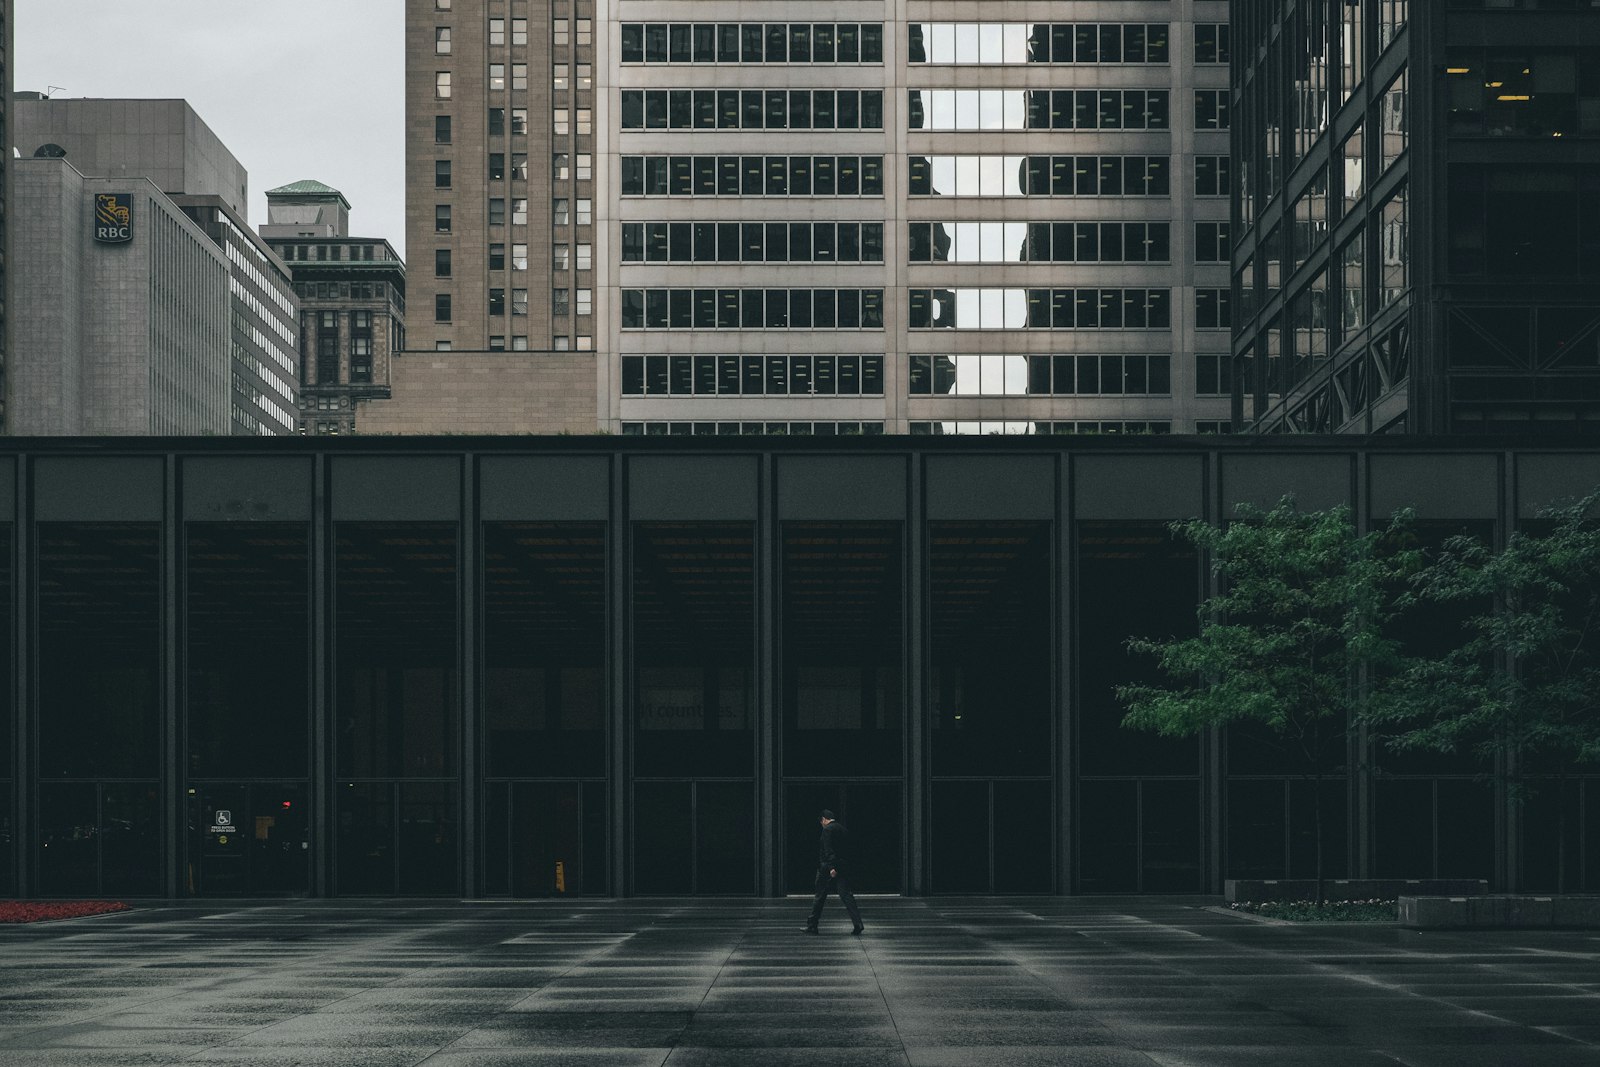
(1092, 982)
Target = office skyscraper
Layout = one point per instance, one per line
(1419, 191)
(891, 224)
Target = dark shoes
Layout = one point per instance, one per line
(811, 929)
(858, 930)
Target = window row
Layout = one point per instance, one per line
(1041, 242)
(996, 427)
(770, 375)
(1017, 42)
(752, 175)
(1038, 109)
(1039, 309)
(752, 109)
(752, 42)
(1038, 175)
(768, 429)
(752, 309)
(987, 374)
(752, 242)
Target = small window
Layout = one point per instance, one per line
(497, 301)
(560, 256)
(585, 76)
(560, 305)
(441, 129)
(560, 33)
(497, 342)
(519, 121)
(441, 174)
(497, 32)
(441, 85)
(519, 32)
(519, 211)
(441, 263)
(519, 166)
(585, 257)
(497, 77)
(561, 344)
(497, 166)
(519, 77)
(585, 343)
(441, 218)
(585, 33)
(561, 121)
(586, 301)
(441, 307)
(585, 121)
(441, 41)
(519, 343)
(561, 211)
(497, 122)
(519, 257)
(559, 81)
(585, 166)
(497, 257)
(585, 212)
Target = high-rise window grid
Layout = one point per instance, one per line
(752, 309)
(1037, 109)
(1076, 374)
(811, 374)
(752, 109)
(1038, 309)
(752, 42)
(998, 43)
(752, 242)
(1086, 175)
(1040, 242)
(752, 176)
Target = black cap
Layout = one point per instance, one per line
(826, 814)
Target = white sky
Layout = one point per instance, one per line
(295, 88)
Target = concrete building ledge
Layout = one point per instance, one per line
(1258, 889)
(1500, 912)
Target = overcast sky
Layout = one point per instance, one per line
(295, 88)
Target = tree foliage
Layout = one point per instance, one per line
(1302, 618)
(1526, 678)
(1305, 603)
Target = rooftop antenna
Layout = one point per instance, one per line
(50, 90)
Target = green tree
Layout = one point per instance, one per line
(1522, 690)
(1301, 620)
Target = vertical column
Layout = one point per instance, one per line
(769, 876)
(1213, 761)
(1066, 718)
(1359, 757)
(469, 660)
(322, 608)
(1508, 827)
(24, 781)
(917, 634)
(619, 653)
(172, 778)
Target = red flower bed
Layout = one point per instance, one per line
(27, 911)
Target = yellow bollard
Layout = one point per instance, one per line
(561, 877)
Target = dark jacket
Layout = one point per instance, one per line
(833, 848)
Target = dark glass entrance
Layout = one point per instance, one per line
(545, 839)
(249, 839)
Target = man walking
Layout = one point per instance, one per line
(832, 854)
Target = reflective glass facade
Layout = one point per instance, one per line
(569, 666)
(1416, 229)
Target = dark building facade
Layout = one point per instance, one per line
(352, 295)
(514, 667)
(1417, 214)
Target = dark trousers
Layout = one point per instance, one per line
(825, 882)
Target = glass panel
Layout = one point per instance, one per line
(247, 639)
(1108, 836)
(1169, 816)
(959, 844)
(69, 851)
(872, 813)
(663, 857)
(364, 839)
(990, 673)
(395, 590)
(99, 650)
(694, 643)
(842, 649)
(545, 839)
(427, 839)
(545, 641)
(1132, 579)
(130, 839)
(725, 849)
(1023, 820)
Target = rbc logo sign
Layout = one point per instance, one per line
(113, 218)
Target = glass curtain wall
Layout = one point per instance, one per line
(247, 717)
(8, 828)
(397, 719)
(544, 707)
(693, 708)
(1139, 799)
(99, 691)
(989, 705)
(843, 658)
(1430, 810)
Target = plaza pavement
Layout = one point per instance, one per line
(1093, 982)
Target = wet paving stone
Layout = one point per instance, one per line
(672, 983)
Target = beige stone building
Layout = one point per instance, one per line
(914, 217)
